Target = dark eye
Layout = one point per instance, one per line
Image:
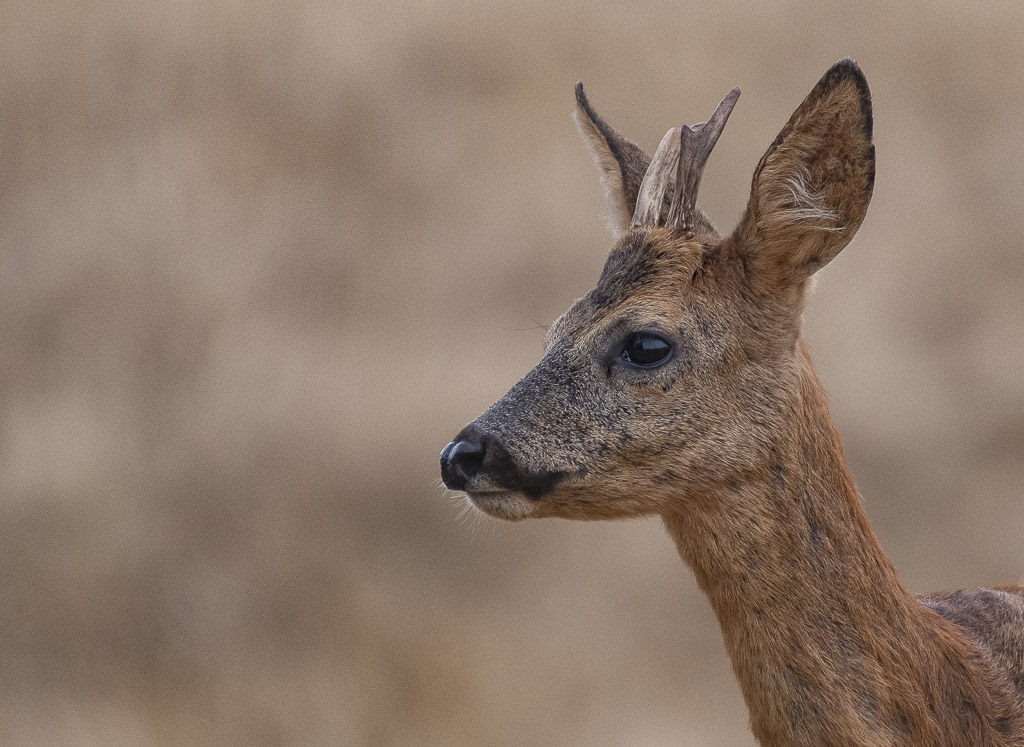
(646, 349)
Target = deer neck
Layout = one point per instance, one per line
(823, 638)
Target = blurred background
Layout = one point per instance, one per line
(260, 261)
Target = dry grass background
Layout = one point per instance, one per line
(261, 261)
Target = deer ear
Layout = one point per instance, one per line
(812, 188)
(621, 162)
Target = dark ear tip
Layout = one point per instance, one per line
(581, 98)
(845, 69)
(849, 66)
(584, 104)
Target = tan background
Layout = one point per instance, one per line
(260, 261)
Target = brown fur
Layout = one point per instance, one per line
(731, 443)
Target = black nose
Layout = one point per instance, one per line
(460, 460)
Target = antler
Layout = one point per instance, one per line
(684, 151)
(651, 198)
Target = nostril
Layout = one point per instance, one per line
(460, 460)
(468, 457)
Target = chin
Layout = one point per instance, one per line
(503, 505)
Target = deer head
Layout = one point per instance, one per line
(678, 373)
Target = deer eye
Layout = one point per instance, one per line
(646, 349)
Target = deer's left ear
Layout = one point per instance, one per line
(812, 188)
(621, 162)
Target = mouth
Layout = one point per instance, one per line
(502, 504)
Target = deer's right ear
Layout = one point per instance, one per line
(812, 188)
(621, 162)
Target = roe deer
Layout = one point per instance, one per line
(680, 387)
